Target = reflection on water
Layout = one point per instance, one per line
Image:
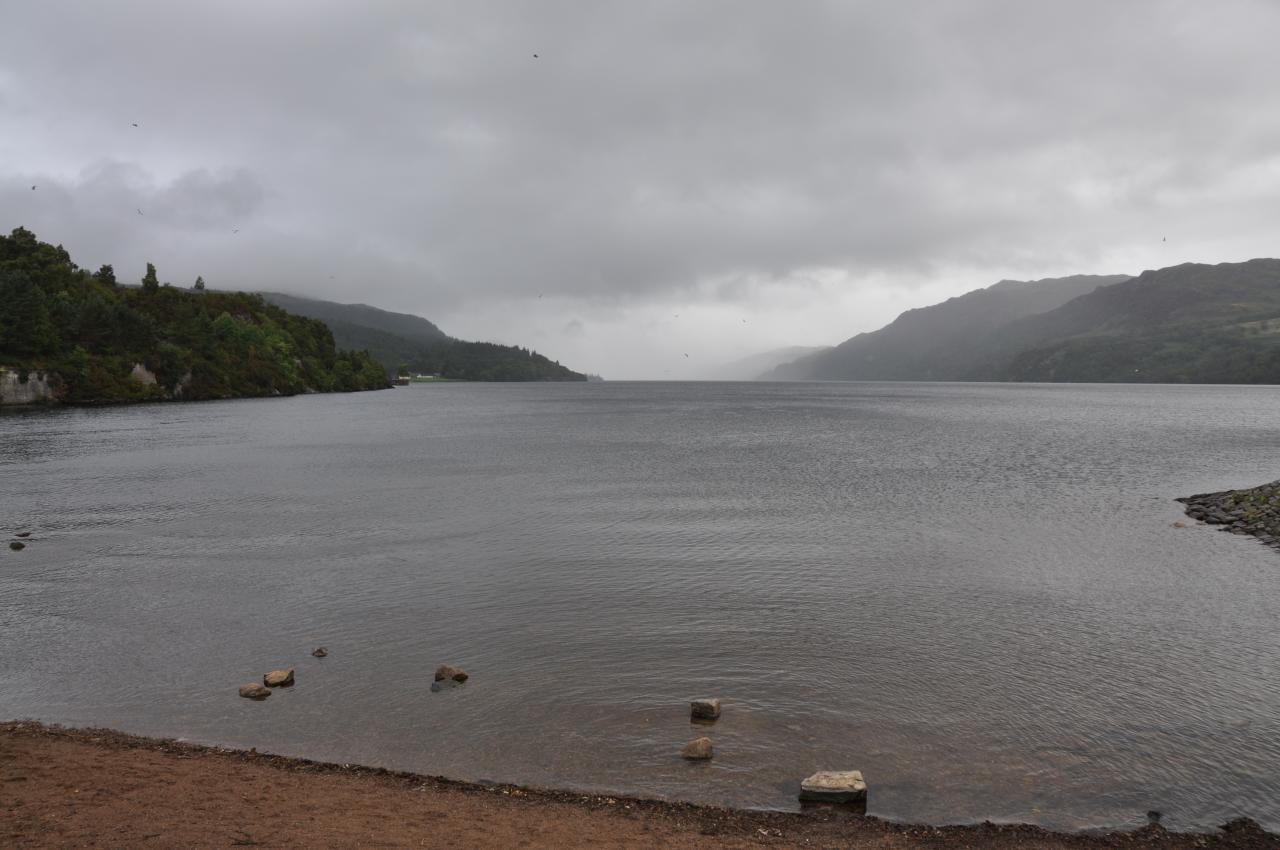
(974, 594)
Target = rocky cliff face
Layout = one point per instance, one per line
(34, 389)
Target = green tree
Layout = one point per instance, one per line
(150, 283)
(199, 287)
(25, 325)
(87, 334)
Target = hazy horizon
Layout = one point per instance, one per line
(714, 181)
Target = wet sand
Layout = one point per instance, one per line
(68, 788)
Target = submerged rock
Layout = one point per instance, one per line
(278, 678)
(254, 691)
(834, 786)
(699, 749)
(23, 534)
(16, 546)
(704, 709)
(319, 652)
(447, 671)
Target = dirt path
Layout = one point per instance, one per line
(102, 789)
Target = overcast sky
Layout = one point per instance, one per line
(665, 178)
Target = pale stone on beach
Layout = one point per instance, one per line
(445, 671)
(698, 749)
(705, 709)
(278, 678)
(834, 786)
(254, 691)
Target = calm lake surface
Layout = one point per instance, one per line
(972, 593)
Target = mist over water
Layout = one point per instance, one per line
(972, 593)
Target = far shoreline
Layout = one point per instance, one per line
(72, 785)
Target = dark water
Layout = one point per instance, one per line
(974, 594)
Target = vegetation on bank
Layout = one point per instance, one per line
(88, 334)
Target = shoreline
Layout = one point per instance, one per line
(70, 787)
(1249, 511)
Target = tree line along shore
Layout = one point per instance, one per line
(70, 335)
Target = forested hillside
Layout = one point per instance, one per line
(1191, 323)
(942, 342)
(401, 341)
(97, 341)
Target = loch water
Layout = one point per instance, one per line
(975, 594)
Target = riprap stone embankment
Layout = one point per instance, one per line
(1254, 511)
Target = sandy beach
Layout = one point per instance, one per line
(65, 788)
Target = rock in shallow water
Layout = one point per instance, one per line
(834, 786)
(446, 671)
(16, 546)
(699, 749)
(278, 678)
(319, 652)
(254, 691)
(704, 709)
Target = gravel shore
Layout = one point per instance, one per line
(69, 788)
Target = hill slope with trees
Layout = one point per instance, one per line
(95, 341)
(1191, 323)
(401, 341)
(942, 342)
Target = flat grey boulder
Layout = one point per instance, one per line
(446, 671)
(834, 786)
(254, 691)
(278, 678)
(704, 709)
(699, 749)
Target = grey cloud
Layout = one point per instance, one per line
(653, 152)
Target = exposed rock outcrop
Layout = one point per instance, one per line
(24, 387)
(143, 375)
(1254, 511)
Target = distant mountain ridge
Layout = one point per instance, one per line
(751, 366)
(1190, 323)
(942, 342)
(403, 340)
(410, 327)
